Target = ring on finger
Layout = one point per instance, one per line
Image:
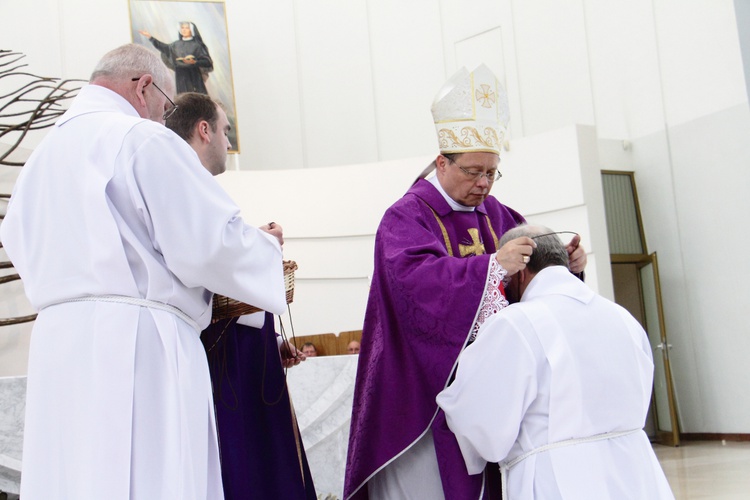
(525, 259)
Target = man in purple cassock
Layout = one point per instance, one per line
(262, 455)
(438, 275)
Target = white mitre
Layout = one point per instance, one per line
(471, 113)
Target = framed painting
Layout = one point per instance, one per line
(192, 38)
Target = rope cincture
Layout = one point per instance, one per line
(506, 466)
(134, 301)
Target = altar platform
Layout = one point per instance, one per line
(321, 389)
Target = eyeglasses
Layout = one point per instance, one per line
(491, 176)
(168, 112)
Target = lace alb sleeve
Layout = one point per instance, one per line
(494, 296)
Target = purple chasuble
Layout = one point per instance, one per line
(261, 451)
(423, 301)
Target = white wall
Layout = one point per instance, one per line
(742, 12)
(349, 85)
(334, 83)
(553, 64)
(684, 109)
(329, 223)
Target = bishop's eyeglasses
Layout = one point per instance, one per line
(169, 112)
(491, 176)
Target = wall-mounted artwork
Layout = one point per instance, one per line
(192, 38)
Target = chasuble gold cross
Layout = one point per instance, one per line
(476, 248)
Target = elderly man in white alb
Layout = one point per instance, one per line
(119, 233)
(556, 389)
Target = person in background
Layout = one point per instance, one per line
(353, 347)
(438, 274)
(120, 237)
(571, 376)
(262, 454)
(308, 349)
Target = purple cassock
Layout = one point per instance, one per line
(429, 278)
(261, 450)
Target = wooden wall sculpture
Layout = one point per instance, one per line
(33, 103)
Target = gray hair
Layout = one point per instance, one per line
(131, 61)
(549, 251)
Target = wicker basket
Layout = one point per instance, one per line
(224, 307)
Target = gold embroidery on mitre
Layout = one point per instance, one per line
(465, 109)
(485, 95)
(476, 248)
(470, 137)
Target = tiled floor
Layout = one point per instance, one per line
(707, 469)
(701, 470)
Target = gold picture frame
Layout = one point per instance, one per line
(162, 19)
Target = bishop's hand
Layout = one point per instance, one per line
(577, 258)
(514, 255)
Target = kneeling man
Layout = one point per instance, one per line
(556, 389)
